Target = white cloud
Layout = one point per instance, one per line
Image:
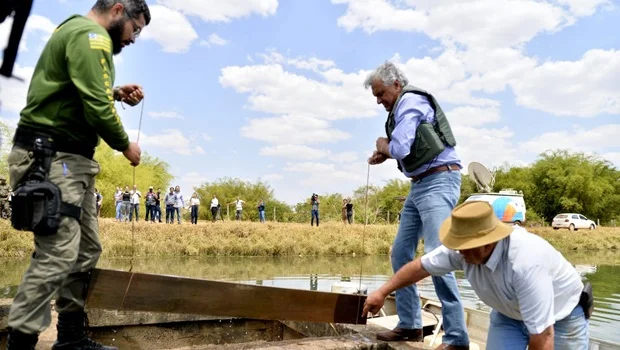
(206, 136)
(35, 24)
(472, 116)
(293, 130)
(187, 181)
(613, 157)
(344, 157)
(321, 174)
(312, 63)
(583, 88)
(272, 89)
(585, 7)
(170, 29)
(166, 115)
(490, 146)
(512, 23)
(168, 141)
(215, 39)
(301, 152)
(583, 138)
(222, 11)
(12, 91)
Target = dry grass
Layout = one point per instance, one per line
(272, 239)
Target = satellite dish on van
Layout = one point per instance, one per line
(481, 176)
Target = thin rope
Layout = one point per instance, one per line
(134, 185)
(359, 303)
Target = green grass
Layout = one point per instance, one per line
(272, 239)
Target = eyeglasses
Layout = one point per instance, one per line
(136, 26)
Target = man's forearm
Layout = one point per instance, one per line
(407, 275)
(542, 341)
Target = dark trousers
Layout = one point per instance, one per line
(170, 214)
(136, 208)
(350, 217)
(150, 211)
(213, 213)
(194, 214)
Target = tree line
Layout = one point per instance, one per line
(557, 181)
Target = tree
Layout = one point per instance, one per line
(574, 182)
(228, 189)
(116, 171)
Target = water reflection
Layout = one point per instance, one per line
(320, 273)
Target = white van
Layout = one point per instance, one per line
(508, 205)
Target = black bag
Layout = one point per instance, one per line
(36, 208)
(587, 300)
(37, 203)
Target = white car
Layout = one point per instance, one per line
(572, 222)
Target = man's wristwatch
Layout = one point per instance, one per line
(116, 93)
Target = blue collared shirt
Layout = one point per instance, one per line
(525, 279)
(413, 108)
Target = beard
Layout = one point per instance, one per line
(116, 34)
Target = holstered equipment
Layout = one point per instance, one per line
(587, 300)
(37, 202)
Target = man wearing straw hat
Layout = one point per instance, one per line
(537, 296)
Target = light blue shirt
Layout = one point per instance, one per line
(525, 279)
(411, 109)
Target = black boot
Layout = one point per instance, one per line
(71, 334)
(21, 341)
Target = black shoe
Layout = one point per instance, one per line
(21, 341)
(71, 334)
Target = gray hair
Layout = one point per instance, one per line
(388, 73)
(133, 7)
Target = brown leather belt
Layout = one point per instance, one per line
(437, 169)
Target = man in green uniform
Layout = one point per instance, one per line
(70, 105)
(5, 192)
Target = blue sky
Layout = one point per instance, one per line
(272, 89)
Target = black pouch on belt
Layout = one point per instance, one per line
(587, 300)
(37, 202)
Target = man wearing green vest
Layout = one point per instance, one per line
(70, 105)
(419, 138)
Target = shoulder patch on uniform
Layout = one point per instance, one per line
(99, 42)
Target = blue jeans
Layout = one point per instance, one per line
(315, 214)
(118, 210)
(429, 203)
(571, 333)
(261, 215)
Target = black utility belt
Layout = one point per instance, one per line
(586, 301)
(25, 138)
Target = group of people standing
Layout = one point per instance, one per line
(128, 204)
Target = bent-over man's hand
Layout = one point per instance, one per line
(131, 94)
(377, 158)
(383, 145)
(373, 303)
(133, 153)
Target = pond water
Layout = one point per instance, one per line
(319, 273)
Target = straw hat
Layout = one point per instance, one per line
(472, 224)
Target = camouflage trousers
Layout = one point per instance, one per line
(61, 262)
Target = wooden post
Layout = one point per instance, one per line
(388, 217)
(227, 213)
(274, 214)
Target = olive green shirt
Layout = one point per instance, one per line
(71, 91)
